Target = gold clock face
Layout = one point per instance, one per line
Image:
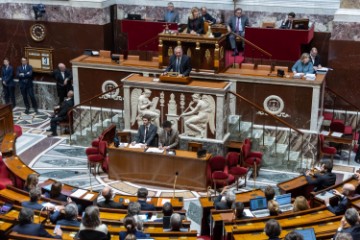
(38, 32)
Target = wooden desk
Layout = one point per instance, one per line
(176, 202)
(347, 139)
(133, 164)
(207, 54)
(297, 187)
(18, 170)
(6, 120)
(8, 145)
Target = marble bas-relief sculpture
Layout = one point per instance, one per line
(197, 119)
(142, 105)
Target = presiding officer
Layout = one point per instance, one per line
(179, 63)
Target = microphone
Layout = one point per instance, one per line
(90, 179)
(176, 175)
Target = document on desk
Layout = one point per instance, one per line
(122, 144)
(325, 133)
(137, 145)
(78, 193)
(88, 196)
(154, 150)
(336, 134)
(248, 213)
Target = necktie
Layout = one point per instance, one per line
(146, 131)
(24, 68)
(177, 65)
(237, 24)
(167, 139)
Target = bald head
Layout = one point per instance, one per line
(70, 94)
(107, 193)
(62, 67)
(348, 189)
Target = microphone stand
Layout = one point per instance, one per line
(176, 175)
(91, 190)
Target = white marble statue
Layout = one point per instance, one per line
(142, 105)
(199, 116)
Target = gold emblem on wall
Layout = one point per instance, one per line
(170, 51)
(38, 32)
(188, 52)
(208, 56)
(221, 52)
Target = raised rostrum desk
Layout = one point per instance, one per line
(297, 187)
(133, 164)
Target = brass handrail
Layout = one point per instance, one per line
(252, 44)
(263, 110)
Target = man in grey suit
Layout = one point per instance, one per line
(237, 25)
(168, 137)
(147, 133)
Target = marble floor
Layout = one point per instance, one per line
(54, 158)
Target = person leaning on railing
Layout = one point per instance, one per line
(195, 22)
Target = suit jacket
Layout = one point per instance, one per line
(219, 205)
(65, 222)
(146, 206)
(341, 207)
(171, 16)
(7, 76)
(185, 65)
(322, 181)
(61, 197)
(110, 204)
(138, 235)
(286, 25)
(59, 78)
(26, 79)
(244, 22)
(33, 229)
(316, 61)
(196, 24)
(354, 231)
(208, 17)
(172, 140)
(150, 136)
(66, 105)
(32, 205)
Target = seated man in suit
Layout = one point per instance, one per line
(176, 223)
(324, 179)
(288, 23)
(315, 58)
(351, 217)
(134, 209)
(347, 191)
(269, 193)
(168, 137)
(55, 192)
(61, 115)
(146, 133)
(70, 217)
(206, 16)
(179, 63)
(239, 210)
(142, 196)
(35, 195)
(27, 227)
(107, 193)
(229, 200)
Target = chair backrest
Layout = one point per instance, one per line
(124, 136)
(337, 126)
(88, 234)
(247, 66)
(217, 163)
(284, 68)
(264, 67)
(321, 142)
(232, 159)
(268, 25)
(108, 134)
(102, 148)
(194, 146)
(246, 149)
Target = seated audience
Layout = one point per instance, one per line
(131, 230)
(272, 229)
(239, 210)
(269, 193)
(27, 227)
(179, 63)
(142, 196)
(294, 236)
(31, 182)
(35, 194)
(206, 16)
(91, 227)
(303, 65)
(107, 193)
(171, 15)
(347, 191)
(315, 58)
(195, 22)
(176, 223)
(229, 200)
(70, 216)
(168, 137)
(55, 192)
(300, 204)
(289, 21)
(343, 236)
(273, 207)
(167, 209)
(134, 209)
(351, 218)
(324, 179)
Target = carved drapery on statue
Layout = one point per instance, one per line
(141, 105)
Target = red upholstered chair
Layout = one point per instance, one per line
(232, 159)
(17, 130)
(218, 172)
(325, 150)
(96, 160)
(339, 126)
(4, 175)
(251, 159)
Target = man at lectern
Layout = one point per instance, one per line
(179, 63)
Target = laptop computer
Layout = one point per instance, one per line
(307, 233)
(258, 207)
(284, 202)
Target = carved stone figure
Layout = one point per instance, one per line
(141, 105)
(199, 116)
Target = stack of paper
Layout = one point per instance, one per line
(137, 145)
(78, 193)
(154, 150)
(336, 134)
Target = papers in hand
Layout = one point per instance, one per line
(78, 193)
(154, 150)
(137, 145)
